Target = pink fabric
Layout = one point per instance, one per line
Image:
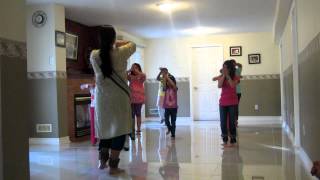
(137, 88)
(92, 136)
(170, 99)
(92, 91)
(229, 94)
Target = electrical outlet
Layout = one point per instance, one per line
(303, 130)
(256, 107)
(51, 60)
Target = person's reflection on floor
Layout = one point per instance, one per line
(138, 169)
(170, 168)
(232, 167)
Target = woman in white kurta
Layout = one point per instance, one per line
(113, 111)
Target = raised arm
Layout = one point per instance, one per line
(221, 80)
(126, 48)
(171, 83)
(140, 77)
(158, 77)
(216, 77)
(232, 82)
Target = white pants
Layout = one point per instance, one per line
(161, 112)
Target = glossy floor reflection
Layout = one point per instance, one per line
(263, 153)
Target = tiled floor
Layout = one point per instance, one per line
(197, 154)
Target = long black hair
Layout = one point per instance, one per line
(138, 66)
(107, 37)
(231, 68)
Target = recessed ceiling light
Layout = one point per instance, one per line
(167, 6)
(201, 31)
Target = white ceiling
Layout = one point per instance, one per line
(136, 16)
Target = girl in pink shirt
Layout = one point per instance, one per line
(92, 89)
(228, 101)
(136, 79)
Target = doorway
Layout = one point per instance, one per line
(206, 63)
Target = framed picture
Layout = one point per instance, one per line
(71, 46)
(254, 58)
(235, 51)
(60, 39)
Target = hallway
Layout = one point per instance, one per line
(263, 153)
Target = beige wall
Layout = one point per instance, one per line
(281, 16)
(308, 21)
(60, 26)
(127, 36)
(175, 53)
(14, 158)
(12, 23)
(41, 41)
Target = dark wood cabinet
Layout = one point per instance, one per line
(87, 41)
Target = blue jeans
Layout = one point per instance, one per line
(226, 111)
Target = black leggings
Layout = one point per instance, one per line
(115, 143)
(171, 112)
(237, 110)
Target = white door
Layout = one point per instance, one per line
(206, 63)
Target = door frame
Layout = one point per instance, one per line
(191, 47)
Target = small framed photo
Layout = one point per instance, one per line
(254, 58)
(60, 39)
(235, 51)
(71, 46)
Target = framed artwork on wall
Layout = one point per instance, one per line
(254, 58)
(71, 46)
(60, 39)
(235, 51)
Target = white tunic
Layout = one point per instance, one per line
(112, 103)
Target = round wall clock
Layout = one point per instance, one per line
(39, 19)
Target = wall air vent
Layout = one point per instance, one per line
(44, 128)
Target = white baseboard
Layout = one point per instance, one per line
(243, 120)
(49, 141)
(260, 120)
(158, 119)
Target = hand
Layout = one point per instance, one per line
(84, 86)
(165, 75)
(120, 43)
(315, 171)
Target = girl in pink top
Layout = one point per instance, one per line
(228, 101)
(136, 79)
